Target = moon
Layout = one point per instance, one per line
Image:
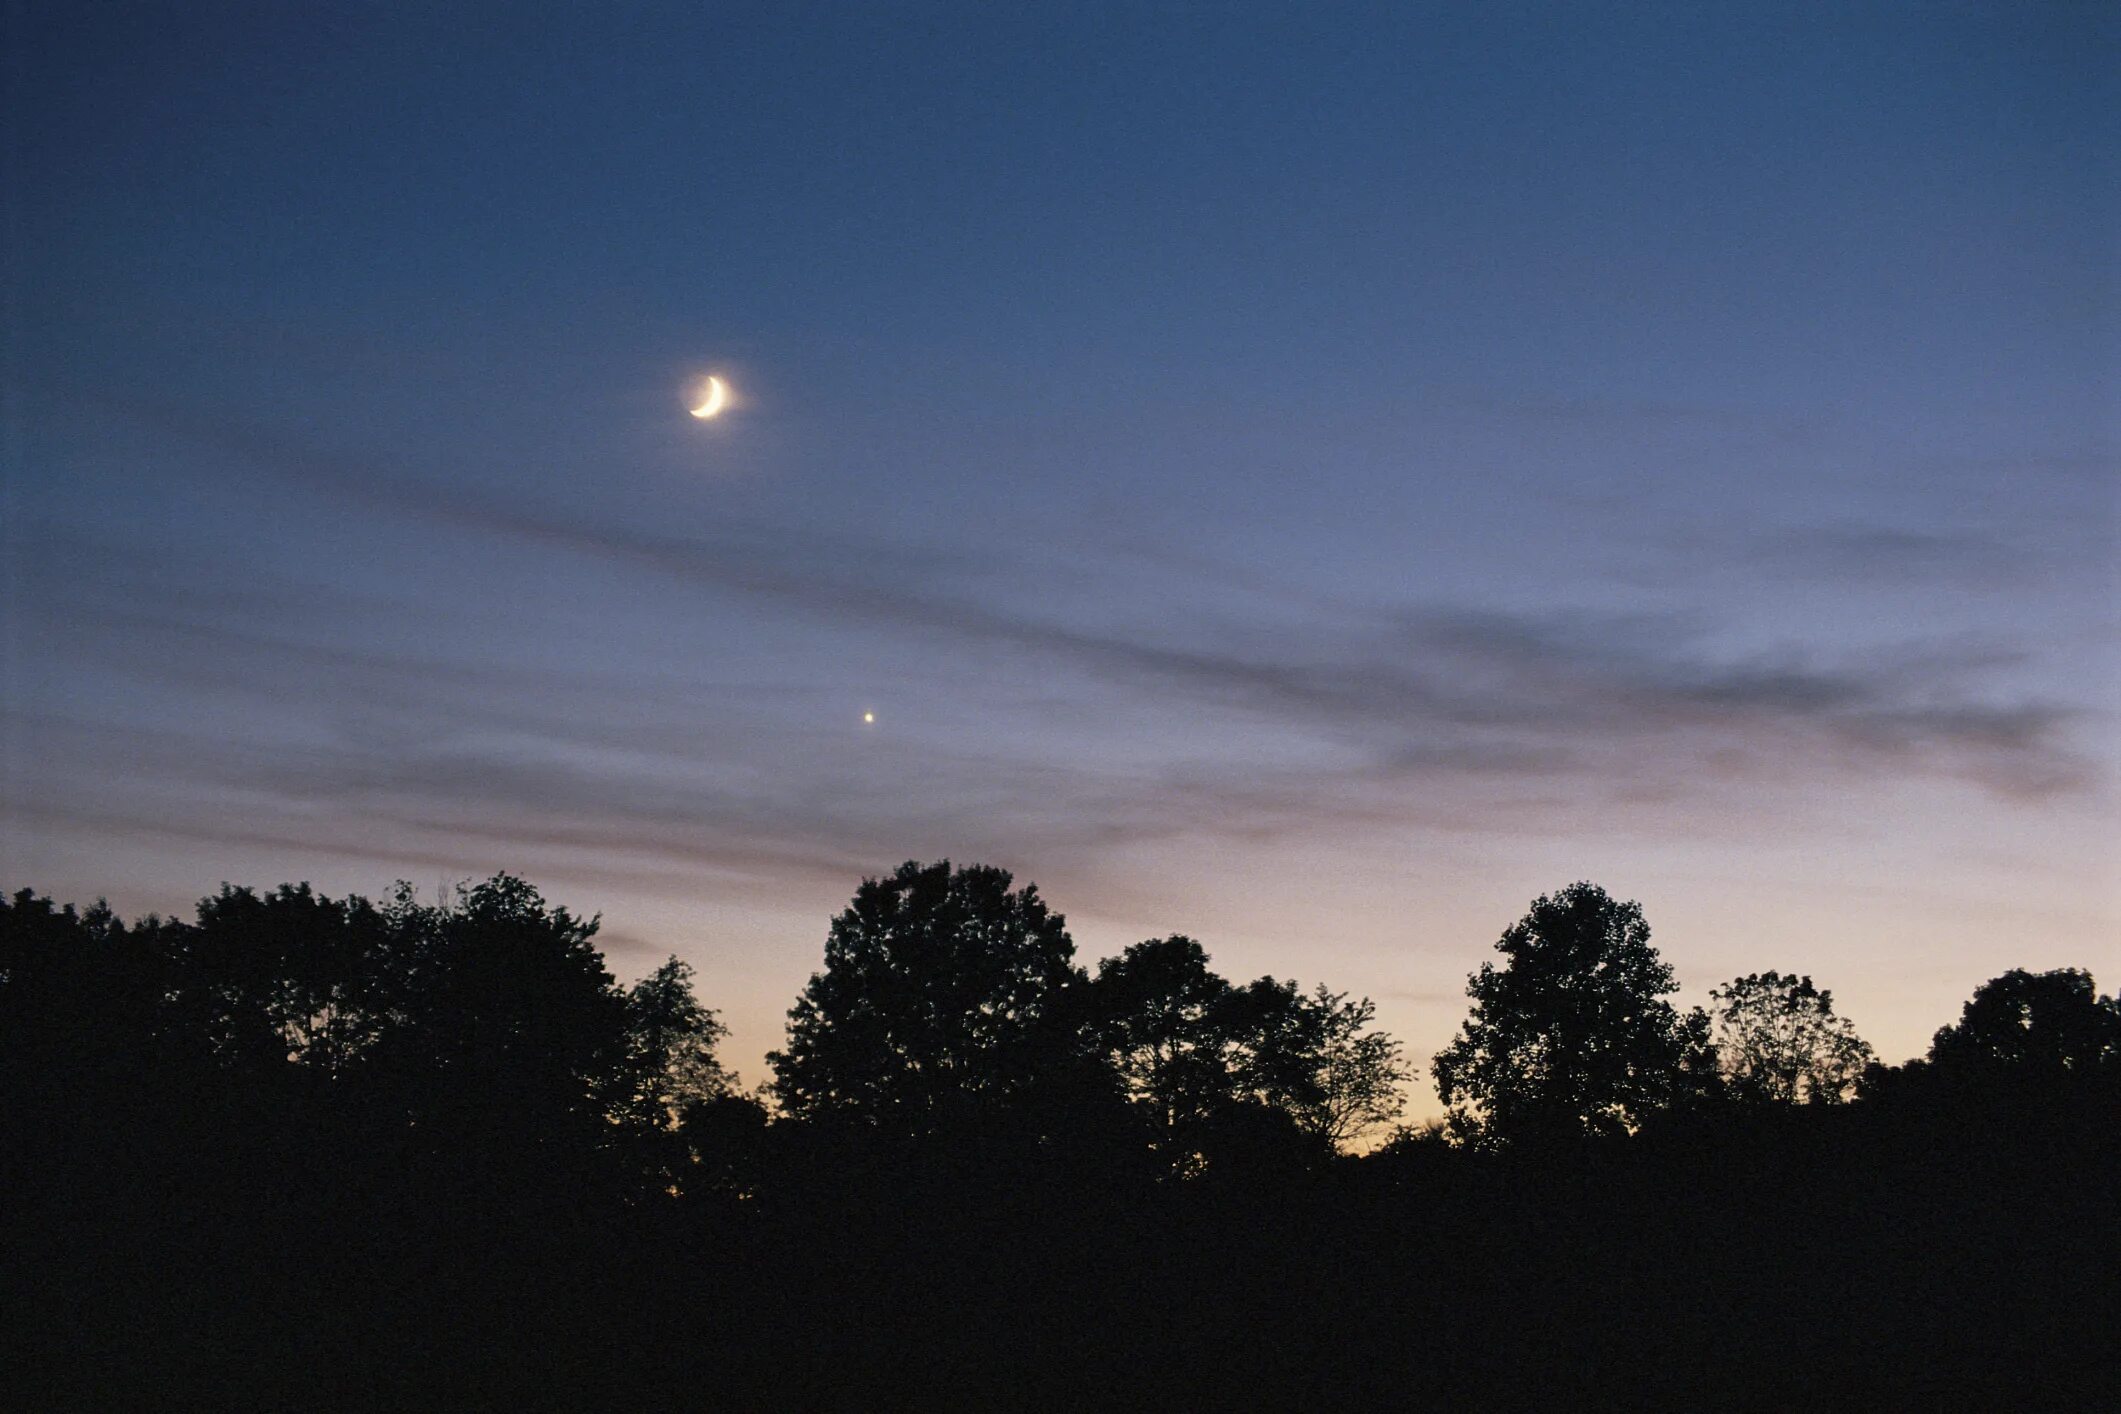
(716, 398)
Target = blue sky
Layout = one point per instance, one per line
(1308, 476)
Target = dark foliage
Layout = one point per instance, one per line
(1571, 1038)
(317, 1153)
(945, 1005)
(1205, 1063)
(2033, 1024)
(1780, 1043)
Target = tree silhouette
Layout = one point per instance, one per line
(244, 1155)
(671, 1043)
(1571, 1037)
(943, 996)
(1355, 1072)
(88, 1038)
(1778, 1041)
(509, 1035)
(1163, 1022)
(2032, 1024)
(1189, 1048)
(289, 976)
(688, 1123)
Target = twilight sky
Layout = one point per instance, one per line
(1310, 477)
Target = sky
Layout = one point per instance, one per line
(1310, 477)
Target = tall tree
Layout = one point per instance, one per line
(86, 1029)
(2032, 1024)
(287, 976)
(671, 1048)
(510, 1031)
(1778, 1041)
(1189, 1048)
(944, 995)
(685, 1122)
(1572, 1036)
(1355, 1071)
(1163, 1025)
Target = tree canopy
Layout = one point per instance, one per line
(310, 1129)
(1572, 1036)
(1163, 1020)
(1194, 1052)
(2031, 1023)
(483, 1025)
(943, 998)
(1778, 1041)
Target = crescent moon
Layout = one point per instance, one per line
(717, 399)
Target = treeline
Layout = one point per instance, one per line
(393, 1154)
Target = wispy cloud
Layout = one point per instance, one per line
(1336, 716)
(1891, 554)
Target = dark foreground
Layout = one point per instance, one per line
(323, 1155)
(1871, 1257)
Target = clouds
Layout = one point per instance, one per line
(1894, 556)
(1319, 535)
(1051, 722)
